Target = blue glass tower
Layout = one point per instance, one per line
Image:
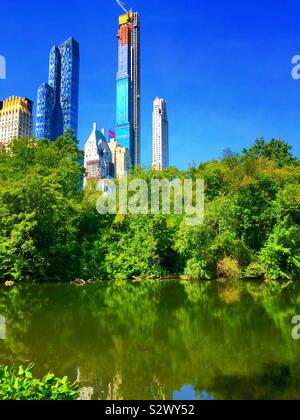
(57, 104)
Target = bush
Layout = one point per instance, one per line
(17, 383)
(229, 269)
(255, 270)
(197, 269)
(281, 254)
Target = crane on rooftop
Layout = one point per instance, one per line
(122, 5)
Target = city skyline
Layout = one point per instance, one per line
(228, 91)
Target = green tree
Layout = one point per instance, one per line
(277, 150)
(281, 252)
(40, 202)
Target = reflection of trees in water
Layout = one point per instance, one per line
(18, 307)
(149, 339)
(273, 382)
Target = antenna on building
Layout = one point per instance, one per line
(122, 5)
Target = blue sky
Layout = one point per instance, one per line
(224, 67)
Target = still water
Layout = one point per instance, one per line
(200, 341)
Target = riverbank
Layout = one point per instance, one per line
(167, 279)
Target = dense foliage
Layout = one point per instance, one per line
(50, 229)
(17, 383)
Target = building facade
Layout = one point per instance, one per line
(57, 100)
(98, 162)
(160, 135)
(128, 86)
(120, 158)
(15, 118)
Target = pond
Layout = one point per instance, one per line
(168, 340)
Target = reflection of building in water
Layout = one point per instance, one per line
(114, 392)
(159, 393)
(86, 393)
(2, 328)
(93, 388)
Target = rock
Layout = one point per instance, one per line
(9, 283)
(78, 282)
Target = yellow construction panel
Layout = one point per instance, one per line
(125, 18)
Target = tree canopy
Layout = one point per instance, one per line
(50, 229)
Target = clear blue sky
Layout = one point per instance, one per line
(224, 67)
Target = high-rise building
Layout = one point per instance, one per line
(97, 157)
(120, 158)
(160, 135)
(15, 118)
(57, 102)
(128, 86)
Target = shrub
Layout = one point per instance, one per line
(281, 253)
(197, 269)
(255, 270)
(17, 383)
(228, 269)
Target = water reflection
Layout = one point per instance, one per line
(143, 341)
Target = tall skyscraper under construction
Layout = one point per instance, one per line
(128, 85)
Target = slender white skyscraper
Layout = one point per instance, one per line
(160, 135)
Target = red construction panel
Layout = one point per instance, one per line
(124, 34)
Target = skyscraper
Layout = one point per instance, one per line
(57, 102)
(15, 118)
(120, 158)
(160, 135)
(128, 85)
(97, 157)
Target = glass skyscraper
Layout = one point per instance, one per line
(128, 85)
(57, 102)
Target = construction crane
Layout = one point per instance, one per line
(122, 5)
